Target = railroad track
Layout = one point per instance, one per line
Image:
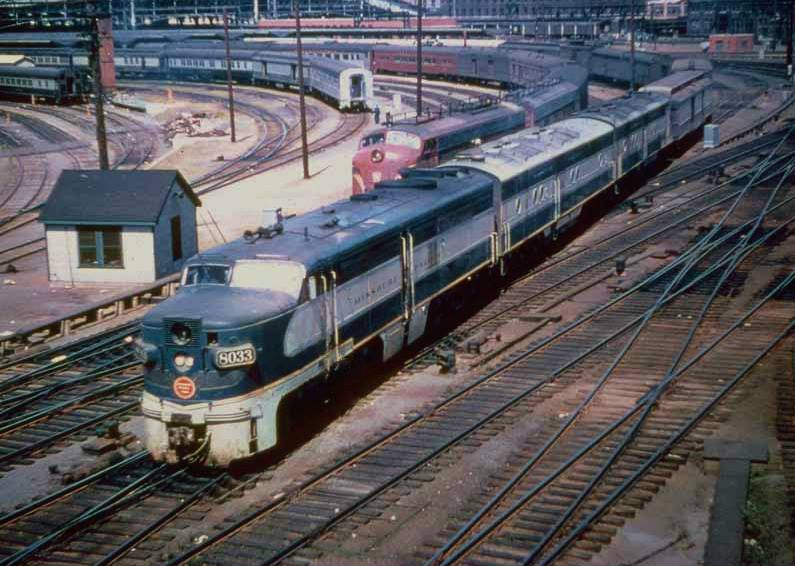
(13, 187)
(21, 251)
(33, 173)
(667, 375)
(711, 163)
(114, 512)
(731, 101)
(17, 220)
(349, 126)
(365, 484)
(273, 150)
(279, 134)
(133, 151)
(41, 128)
(51, 397)
(772, 69)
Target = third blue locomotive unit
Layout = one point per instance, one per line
(258, 318)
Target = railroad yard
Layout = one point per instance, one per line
(566, 411)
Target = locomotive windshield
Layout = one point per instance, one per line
(396, 137)
(206, 275)
(372, 139)
(269, 275)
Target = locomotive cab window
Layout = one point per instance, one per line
(372, 140)
(270, 275)
(205, 275)
(396, 137)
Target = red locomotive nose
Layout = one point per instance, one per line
(377, 156)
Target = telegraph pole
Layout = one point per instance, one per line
(229, 77)
(96, 66)
(419, 57)
(301, 101)
(790, 24)
(632, 44)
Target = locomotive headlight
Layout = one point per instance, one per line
(181, 334)
(377, 156)
(183, 362)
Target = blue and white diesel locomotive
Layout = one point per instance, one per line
(259, 317)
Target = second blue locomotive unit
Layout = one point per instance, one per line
(259, 317)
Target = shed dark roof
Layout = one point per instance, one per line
(112, 197)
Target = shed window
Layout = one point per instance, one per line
(176, 238)
(99, 246)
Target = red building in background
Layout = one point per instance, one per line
(726, 43)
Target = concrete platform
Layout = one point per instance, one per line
(727, 522)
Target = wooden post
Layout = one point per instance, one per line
(229, 77)
(632, 44)
(419, 57)
(301, 98)
(102, 141)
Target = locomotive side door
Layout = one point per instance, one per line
(330, 320)
(501, 237)
(407, 270)
(414, 318)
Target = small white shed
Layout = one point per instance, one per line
(119, 226)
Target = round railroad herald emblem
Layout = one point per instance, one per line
(184, 387)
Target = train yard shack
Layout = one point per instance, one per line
(561, 411)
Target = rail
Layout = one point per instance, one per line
(769, 117)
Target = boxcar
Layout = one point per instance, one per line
(731, 44)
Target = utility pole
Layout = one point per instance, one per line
(632, 44)
(301, 100)
(132, 14)
(420, 4)
(790, 24)
(229, 77)
(96, 67)
(650, 7)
